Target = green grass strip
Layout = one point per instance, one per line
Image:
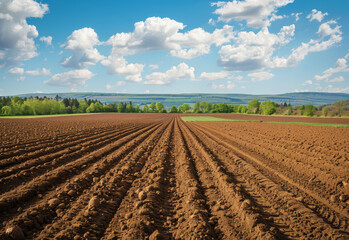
(213, 119)
(314, 124)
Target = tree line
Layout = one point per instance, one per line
(11, 106)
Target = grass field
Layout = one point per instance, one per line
(213, 119)
(315, 124)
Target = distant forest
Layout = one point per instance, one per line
(16, 106)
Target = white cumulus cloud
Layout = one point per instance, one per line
(330, 88)
(16, 35)
(308, 82)
(227, 85)
(181, 71)
(120, 83)
(82, 43)
(214, 75)
(296, 15)
(316, 15)
(119, 65)
(163, 34)
(38, 72)
(327, 38)
(16, 71)
(71, 79)
(154, 66)
(20, 79)
(341, 66)
(260, 76)
(337, 79)
(253, 51)
(255, 12)
(47, 40)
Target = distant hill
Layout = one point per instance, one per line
(314, 98)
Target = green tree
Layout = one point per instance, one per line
(66, 102)
(309, 110)
(159, 106)
(242, 109)
(108, 108)
(173, 109)
(268, 107)
(253, 106)
(137, 109)
(196, 108)
(325, 111)
(91, 108)
(287, 110)
(82, 106)
(129, 108)
(6, 111)
(339, 107)
(145, 108)
(121, 107)
(185, 107)
(26, 110)
(152, 106)
(301, 110)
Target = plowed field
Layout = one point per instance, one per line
(154, 176)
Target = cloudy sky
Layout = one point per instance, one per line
(174, 46)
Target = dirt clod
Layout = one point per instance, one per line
(15, 232)
(93, 203)
(53, 202)
(142, 195)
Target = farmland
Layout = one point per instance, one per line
(155, 176)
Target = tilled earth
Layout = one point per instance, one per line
(153, 176)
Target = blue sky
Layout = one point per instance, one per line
(174, 46)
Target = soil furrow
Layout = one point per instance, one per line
(234, 199)
(141, 213)
(30, 150)
(55, 201)
(308, 168)
(93, 209)
(56, 146)
(39, 185)
(50, 162)
(336, 207)
(153, 176)
(195, 218)
(287, 202)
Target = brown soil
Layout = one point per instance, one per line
(153, 176)
(238, 116)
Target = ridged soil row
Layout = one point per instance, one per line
(292, 212)
(202, 215)
(41, 211)
(301, 138)
(44, 164)
(310, 170)
(33, 191)
(90, 213)
(23, 150)
(42, 149)
(147, 208)
(25, 145)
(332, 211)
(246, 219)
(303, 149)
